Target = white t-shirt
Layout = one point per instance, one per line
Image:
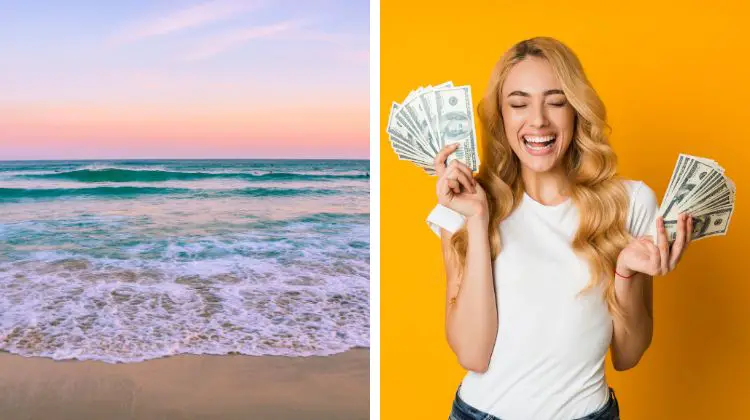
(548, 359)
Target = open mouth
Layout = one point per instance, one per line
(539, 143)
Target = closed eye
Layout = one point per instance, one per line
(557, 104)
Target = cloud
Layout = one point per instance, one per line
(190, 17)
(212, 11)
(294, 30)
(227, 41)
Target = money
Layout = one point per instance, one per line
(700, 188)
(431, 118)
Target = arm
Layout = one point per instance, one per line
(471, 311)
(643, 259)
(632, 336)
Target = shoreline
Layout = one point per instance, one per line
(187, 387)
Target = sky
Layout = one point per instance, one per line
(157, 79)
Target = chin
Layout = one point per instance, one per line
(539, 165)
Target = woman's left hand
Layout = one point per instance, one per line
(642, 256)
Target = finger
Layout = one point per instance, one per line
(458, 171)
(451, 177)
(465, 169)
(453, 184)
(441, 157)
(689, 230)
(663, 246)
(654, 258)
(459, 164)
(465, 181)
(443, 187)
(679, 242)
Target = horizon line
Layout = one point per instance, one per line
(153, 159)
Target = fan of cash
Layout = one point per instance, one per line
(699, 188)
(431, 118)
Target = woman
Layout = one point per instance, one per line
(549, 255)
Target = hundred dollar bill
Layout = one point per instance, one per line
(675, 176)
(456, 124)
(707, 225)
(400, 129)
(700, 188)
(427, 96)
(431, 118)
(694, 173)
(418, 113)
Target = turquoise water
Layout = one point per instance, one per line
(123, 261)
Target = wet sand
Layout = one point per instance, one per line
(187, 387)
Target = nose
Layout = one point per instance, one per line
(538, 117)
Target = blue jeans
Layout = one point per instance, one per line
(463, 411)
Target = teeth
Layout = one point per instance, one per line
(535, 139)
(535, 147)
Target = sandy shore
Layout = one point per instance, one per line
(187, 387)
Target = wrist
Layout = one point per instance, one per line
(623, 271)
(478, 220)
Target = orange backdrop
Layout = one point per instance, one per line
(675, 80)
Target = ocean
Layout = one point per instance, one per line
(125, 261)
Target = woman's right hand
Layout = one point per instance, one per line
(456, 187)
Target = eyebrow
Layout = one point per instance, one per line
(546, 93)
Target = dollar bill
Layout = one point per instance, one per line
(704, 226)
(694, 174)
(455, 118)
(699, 187)
(675, 176)
(431, 118)
(418, 113)
(399, 129)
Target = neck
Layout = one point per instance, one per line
(549, 188)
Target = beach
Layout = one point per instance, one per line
(187, 387)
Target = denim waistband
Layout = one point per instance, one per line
(462, 410)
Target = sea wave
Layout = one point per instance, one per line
(153, 175)
(124, 295)
(250, 257)
(14, 194)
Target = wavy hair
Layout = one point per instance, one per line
(590, 165)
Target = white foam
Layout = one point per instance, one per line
(297, 289)
(112, 321)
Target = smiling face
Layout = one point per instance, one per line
(539, 121)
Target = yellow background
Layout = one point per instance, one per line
(674, 79)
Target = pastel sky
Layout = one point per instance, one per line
(184, 79)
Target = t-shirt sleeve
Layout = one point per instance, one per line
(644, 209)
(443, 217)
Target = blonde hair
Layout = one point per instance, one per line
(590, 164)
